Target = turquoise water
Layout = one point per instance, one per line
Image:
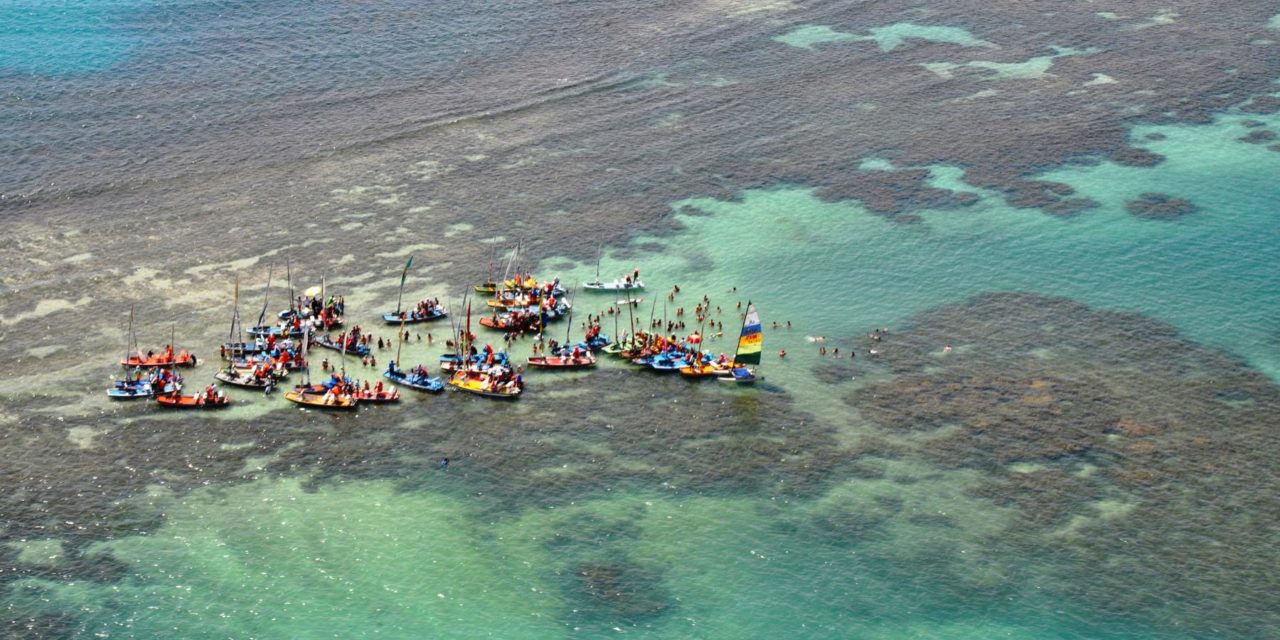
(787, 248)
(887, 38)
(362, 560)
(56, 37)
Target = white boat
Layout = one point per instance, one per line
(616, 285)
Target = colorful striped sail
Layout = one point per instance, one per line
(751, 342)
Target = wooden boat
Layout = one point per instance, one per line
(309, 397)
(198, 401)
(419, 382)
(327, 342)
(480, 384)
(413, 317)
(630, 301)
(487, 287)
(180, 359)
(562, 362)
(243, 378)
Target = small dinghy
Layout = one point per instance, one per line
(202, 400)
(563, 362)
(450, 362)
(377, 396)
(482, 384)
(666, 364)
(414, 317)
(138, 389)
(739, 375)
(415, 378)
(616, 285)
(329, 343)
(166, 358)
(246, 378)
(308, 396)
(700, 371)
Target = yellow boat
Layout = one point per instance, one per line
(479, 384)
(309, 398)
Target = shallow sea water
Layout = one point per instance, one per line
(346, 527)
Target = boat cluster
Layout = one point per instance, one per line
(521, 305)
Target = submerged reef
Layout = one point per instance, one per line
(1160, 206)
(1132, 456)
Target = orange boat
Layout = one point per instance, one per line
(165, 358)
(198, 401)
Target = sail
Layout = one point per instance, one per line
(751, 342)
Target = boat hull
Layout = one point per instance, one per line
(176, 401)
(428, 384)
(316, 401)
(392, 317)
(558, 362)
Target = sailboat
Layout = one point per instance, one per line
(625, 284)
(137, 386)
(566, 359)
(257, 375)
(209, 398)
(497, 382)
(399, 316)
(750, 346)
(308, 395)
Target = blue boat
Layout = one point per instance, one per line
(413, 317)
(329, 343)
(666, 363)
(136, 389)
(419, 381)
(450, 362)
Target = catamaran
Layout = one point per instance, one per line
(750, 346)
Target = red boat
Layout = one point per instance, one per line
(562, 362)
(375, 396)
(198, 401)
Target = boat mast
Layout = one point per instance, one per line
(235, 311)
(399, 342)
(569, 319)
(649, 332)
(265, 296)
(125, 363)
(403, 275)
(306, 340)
(599, 250)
